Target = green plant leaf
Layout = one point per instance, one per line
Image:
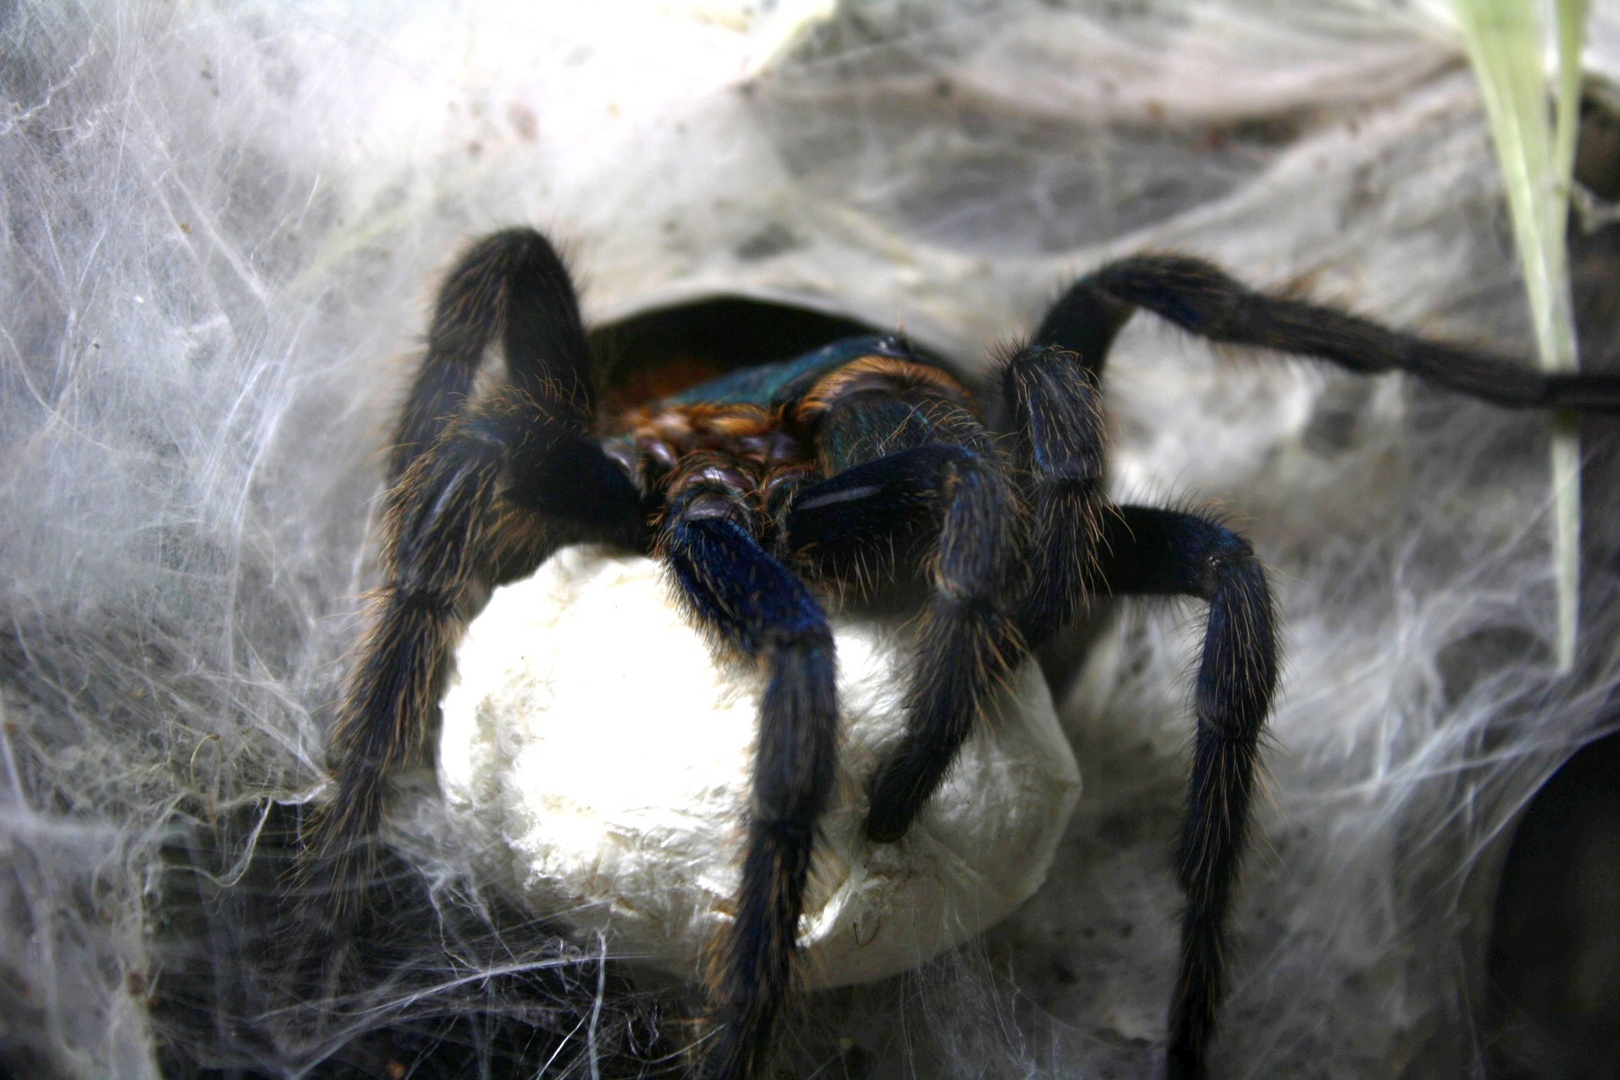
(1506, 43)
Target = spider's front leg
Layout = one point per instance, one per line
(510, 285)
(502, 487)
(761, 609)
(477, 494)
(949, 484)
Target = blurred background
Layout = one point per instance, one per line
(224, 224)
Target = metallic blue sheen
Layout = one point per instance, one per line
(780, 383)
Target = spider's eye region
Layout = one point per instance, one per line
(722, 476)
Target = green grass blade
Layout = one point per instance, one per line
(1505, 45)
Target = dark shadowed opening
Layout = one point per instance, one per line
(660, 352)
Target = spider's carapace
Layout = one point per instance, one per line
(756, 432)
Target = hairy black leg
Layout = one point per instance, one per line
(1147, 551)
(964, 642)
(510, 283)
(852, 516)
(477, 495)
(1085, 321)
(1203, 299)
(760, 608)
(466, 512)
(1058, 448)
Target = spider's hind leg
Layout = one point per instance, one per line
(760, 608)
(1203, 299)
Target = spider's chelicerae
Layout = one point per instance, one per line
(769, 485)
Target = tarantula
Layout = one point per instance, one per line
(767, 484)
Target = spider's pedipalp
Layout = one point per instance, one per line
(831, 522)
(759, 607)
(965, 643)
(555, 471)
(909, 458)
(1152, 552)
